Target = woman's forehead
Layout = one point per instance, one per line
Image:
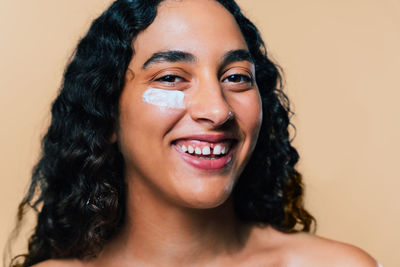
(203, 28)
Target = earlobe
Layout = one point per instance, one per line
(113, 138)
(129, 75)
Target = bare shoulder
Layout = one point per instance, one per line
(323, 250)
(60, 263)
(303, 249)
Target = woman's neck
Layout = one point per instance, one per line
(163, 233)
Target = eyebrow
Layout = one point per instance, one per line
(169, 56)
(181, 56)
(237, 55)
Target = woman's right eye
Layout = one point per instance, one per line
(169, 79)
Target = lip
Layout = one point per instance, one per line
(204, 163)
(211, 138)
(207, 164)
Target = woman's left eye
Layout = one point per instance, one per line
(238, 78)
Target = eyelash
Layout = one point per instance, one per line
(243, 78)
(166, 78)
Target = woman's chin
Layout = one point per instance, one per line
(204, 199)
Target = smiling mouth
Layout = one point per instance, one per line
(206, 155)
(205, 149)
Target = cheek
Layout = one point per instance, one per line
(172, 99)
(143, 124)
(248, 111)
(150, 108)
(147, 121)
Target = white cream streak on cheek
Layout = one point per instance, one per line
(164, 98)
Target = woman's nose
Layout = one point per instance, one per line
(208, 104)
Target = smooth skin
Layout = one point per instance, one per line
(179, 215)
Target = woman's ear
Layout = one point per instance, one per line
(113, 137)
(129, 75)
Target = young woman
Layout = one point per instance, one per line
(169, 146)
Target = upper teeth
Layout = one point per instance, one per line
(205, 150)
(217, 150)
(197, 150)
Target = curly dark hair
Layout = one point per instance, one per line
(78, 187)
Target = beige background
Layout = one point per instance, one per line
(342, 63)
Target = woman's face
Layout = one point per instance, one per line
(190, 111)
